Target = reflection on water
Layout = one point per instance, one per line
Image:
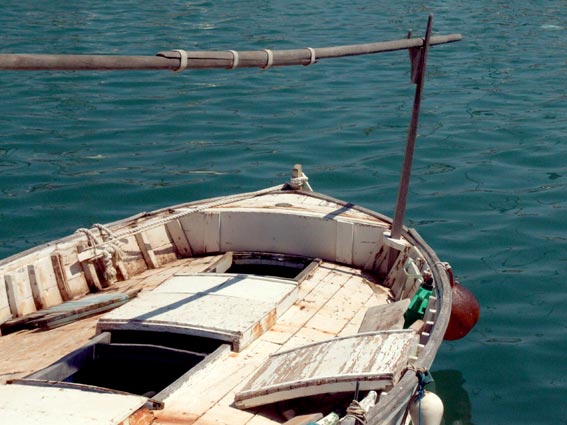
(449, 386)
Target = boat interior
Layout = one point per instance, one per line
(249, 309)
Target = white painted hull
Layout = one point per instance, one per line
(328, 303)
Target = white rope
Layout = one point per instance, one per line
(91, 238)
(112, 241)
(110, 250)
(300, 183)
(270, 61)
(108, 254)
(182, 60)
(313, 58)
(235, 59)
(355, 411)
(102, 228)
(220, 202)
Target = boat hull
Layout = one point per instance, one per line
(277, 222)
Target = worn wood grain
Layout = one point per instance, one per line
(147, 250)
(374, 360)
(386, 316)
(61, 278)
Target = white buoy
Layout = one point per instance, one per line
(427, 411)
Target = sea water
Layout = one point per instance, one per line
(489, 184)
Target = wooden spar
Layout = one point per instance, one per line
(207, 59)
(419, 78)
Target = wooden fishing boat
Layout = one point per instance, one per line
(277, 306)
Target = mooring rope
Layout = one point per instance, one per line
(113, 236)
(357, 412)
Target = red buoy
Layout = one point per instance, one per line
(465, 311)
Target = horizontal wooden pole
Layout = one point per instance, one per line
(205, 59)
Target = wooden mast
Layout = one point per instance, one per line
(419, 59)
(173, 60)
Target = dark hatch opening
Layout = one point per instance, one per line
(264, 270)
(142, 363)
(137, 369)
(265, 264)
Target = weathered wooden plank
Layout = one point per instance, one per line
(61, 277)
(315, 301)
(211, 241)
(133, 259)
(25, 404)
(209, 385)
(47, 282)
(373, 360)
(303, 310)
(295, 327)
(67, 312)
(340, 310)
(417, 325)
(76, 282)
(147, 251)
(224, 413)
(179, 238)
(19, 293)
(152, 278)
(161, 243)
(122, 269)
(35, 289)
(193, 226)
(396, 273)
(329, 287)
(221, 265)
(378, 260)
(159, 237)
(344, 242)
(367, 239)
(290, 323)
(200, 264)
(285, 233)
(319, 276)
(386, 316)
(306, 336)
(231, 308)
(5, 312)
(87, 253)
(352, 327)
(86, 258)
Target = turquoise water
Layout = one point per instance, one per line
(489, 190)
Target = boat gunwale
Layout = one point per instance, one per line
(389, 404)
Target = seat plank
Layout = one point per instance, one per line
(374, 360)
(385, 316)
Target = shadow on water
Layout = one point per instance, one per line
(449, 385)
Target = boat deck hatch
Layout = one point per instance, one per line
(133, 362)
(233, 308)
(285, 266)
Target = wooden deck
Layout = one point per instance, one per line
(331, 302)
